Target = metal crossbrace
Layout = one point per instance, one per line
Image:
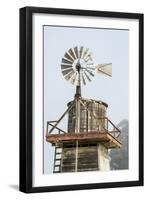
(69, 108)
(58, 129)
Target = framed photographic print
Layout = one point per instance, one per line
(81, 99)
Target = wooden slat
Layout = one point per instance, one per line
(89, 136)
(58, 159)
(56, 165)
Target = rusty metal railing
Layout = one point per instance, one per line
(104, 125)
(50, 127)
(109, 127)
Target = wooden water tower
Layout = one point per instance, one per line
(90, 134)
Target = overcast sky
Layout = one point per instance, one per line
(108, 46)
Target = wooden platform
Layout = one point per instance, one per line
(108, 140)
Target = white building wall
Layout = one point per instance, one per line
(103, 158)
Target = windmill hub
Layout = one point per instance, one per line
(78, 66)
(78, 63)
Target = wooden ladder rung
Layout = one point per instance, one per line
(58, 159)
(58, 147)
(56, 171)
(58, 153)
(56, 166)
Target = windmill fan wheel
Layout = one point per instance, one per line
(77, 65)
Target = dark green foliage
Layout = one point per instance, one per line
(119, 157)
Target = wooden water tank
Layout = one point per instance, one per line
(92, 116)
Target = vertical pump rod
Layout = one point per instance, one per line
(78, 87)
(77, 100)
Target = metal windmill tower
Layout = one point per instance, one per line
(84, 146)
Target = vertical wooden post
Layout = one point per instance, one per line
(97, 156)
(76, 161)
(77, 120)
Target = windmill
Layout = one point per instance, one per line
(84, 146)
(77, 67)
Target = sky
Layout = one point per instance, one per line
(108, 46)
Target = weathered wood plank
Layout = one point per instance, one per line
(89, 136)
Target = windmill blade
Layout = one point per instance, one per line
(88, 59)
(74, 55)
(83, 79)
(70, 51)
(88, 55)
(81, 51)
(66, 72)
(90, 72)
(104, 69)
(79, 56)
(73, 78)
(85, 53)
(69, 56)
(91, 68)
(66, 64)
(65, 67)
(69, 75)
(90, 64)
(65, 61)
(82, 54)
(86, 75)
(76, 51)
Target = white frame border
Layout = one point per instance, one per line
(39, 179)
